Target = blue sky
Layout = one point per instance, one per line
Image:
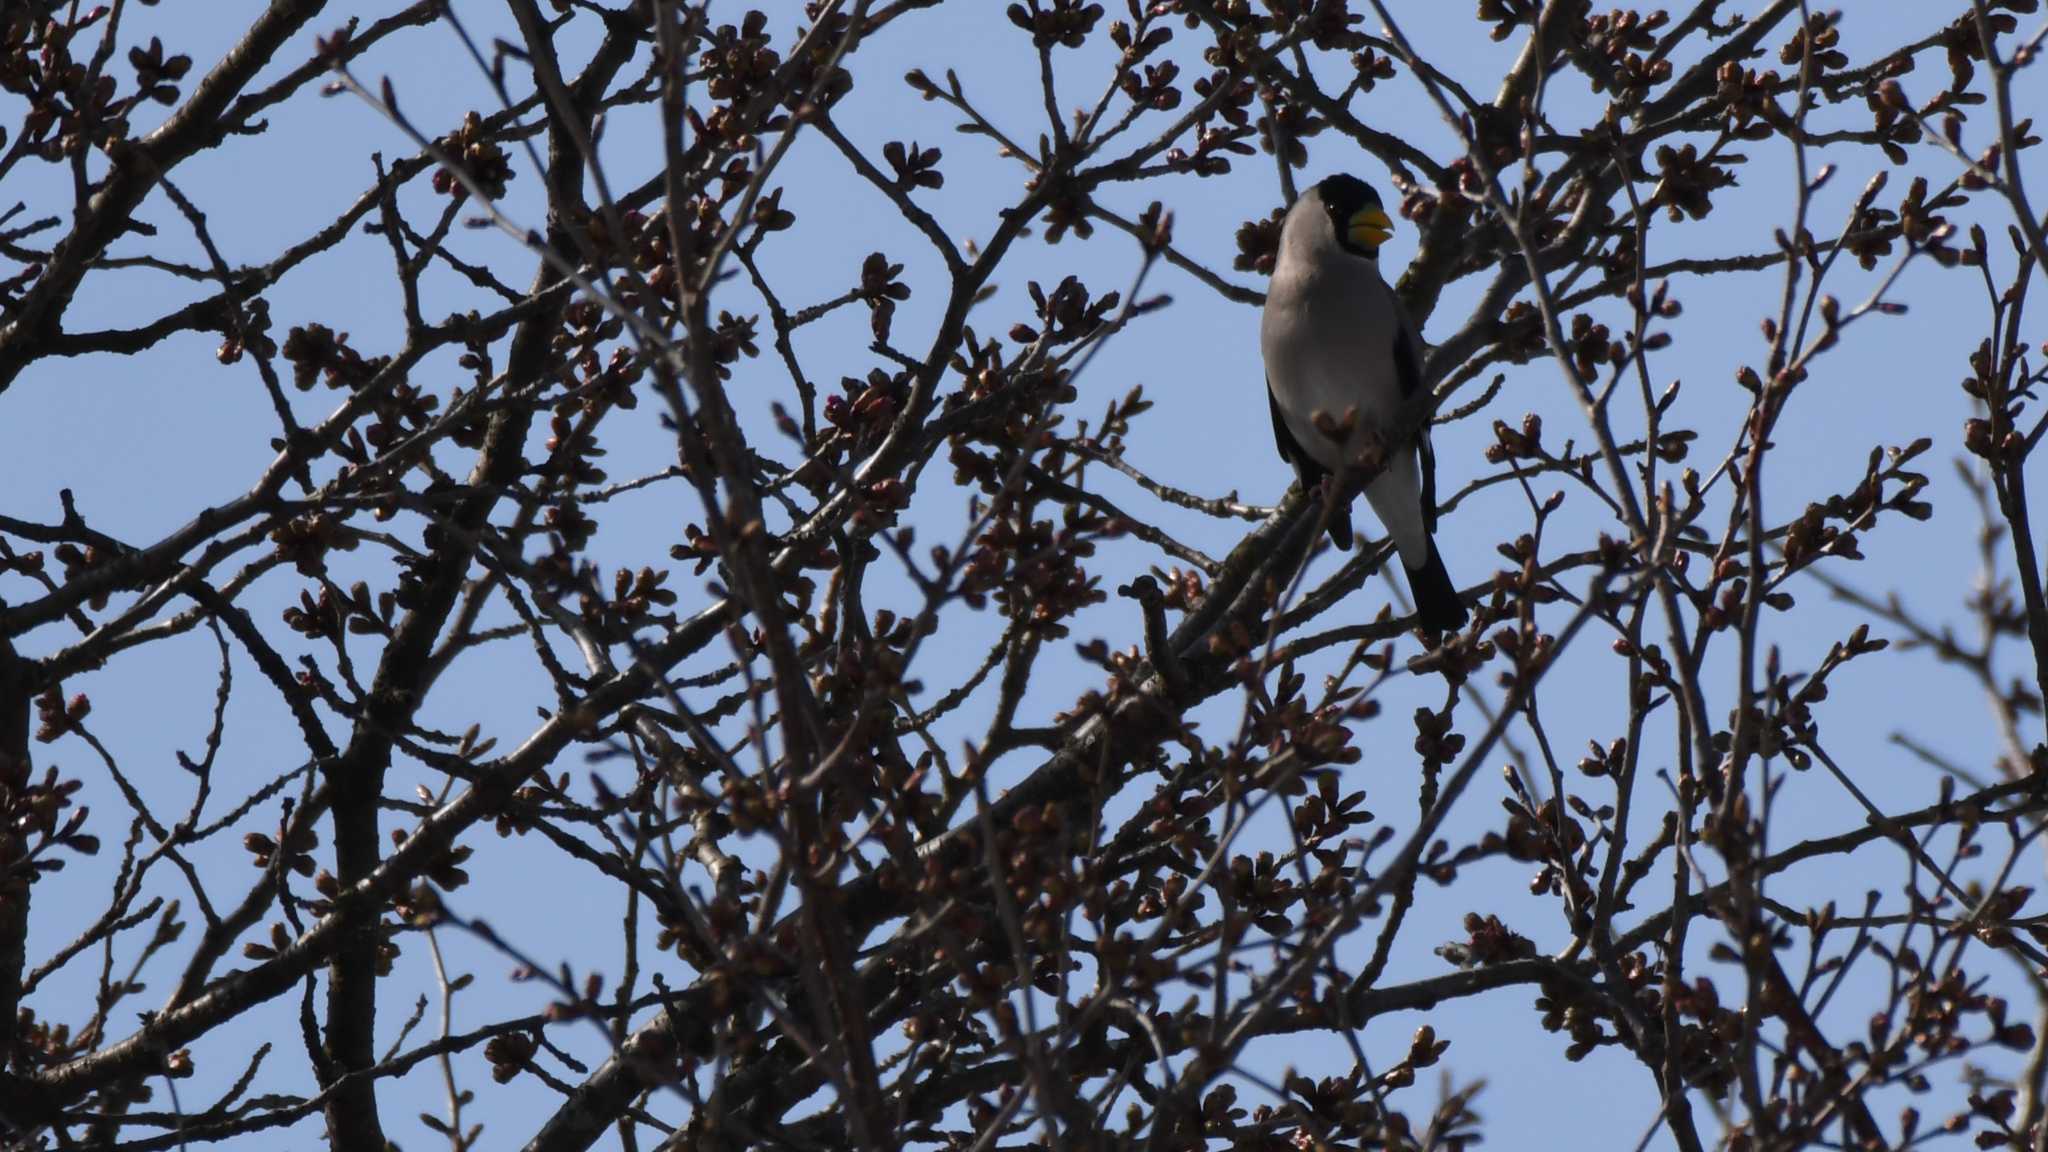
(145, 443)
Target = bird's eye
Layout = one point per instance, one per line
(1369, 228)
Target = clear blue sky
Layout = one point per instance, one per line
(145, 443)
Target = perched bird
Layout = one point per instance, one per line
(1337, 342)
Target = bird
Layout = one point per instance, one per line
(1338, 343)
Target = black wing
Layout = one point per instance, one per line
(1310, 472)
(1408, 369)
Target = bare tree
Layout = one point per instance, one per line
(972, 771)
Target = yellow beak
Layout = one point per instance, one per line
(1369, 228)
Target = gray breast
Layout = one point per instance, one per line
(1328, 334)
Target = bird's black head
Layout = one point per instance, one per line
(1356, 216)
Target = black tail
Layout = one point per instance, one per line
(1436, 598)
